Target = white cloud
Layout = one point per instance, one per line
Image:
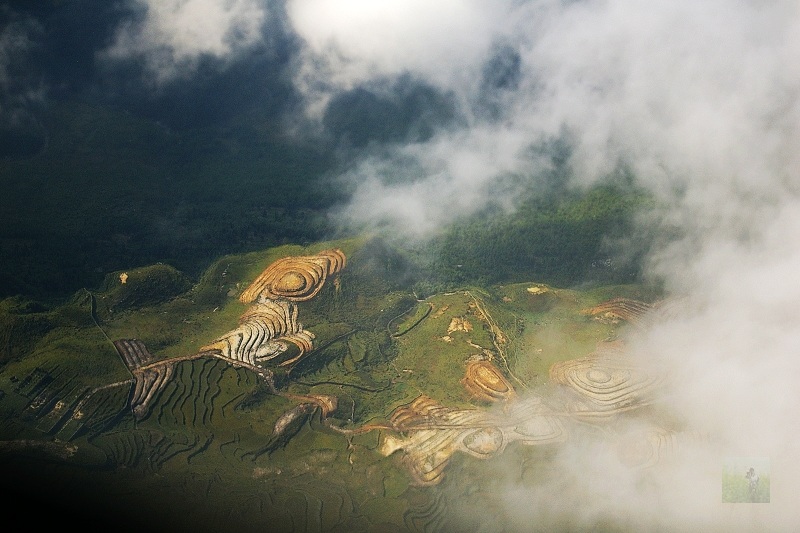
(424, 186)
(697, 95)
(732, 359)
(702, 101)
(360, 39)
(353, 42)
(174, 34)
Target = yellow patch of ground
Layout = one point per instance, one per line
(537, 289)
(459, 324)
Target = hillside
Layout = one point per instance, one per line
(110, 190)
(342, 438)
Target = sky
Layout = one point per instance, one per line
(700, 101)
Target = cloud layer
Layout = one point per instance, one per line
(697, 99)
(702, 102)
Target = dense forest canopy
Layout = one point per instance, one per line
(106, 163)
(110, 190)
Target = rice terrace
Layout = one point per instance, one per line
(312, 266)
(333, 404)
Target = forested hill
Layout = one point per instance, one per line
(563, 239)
(110, 190)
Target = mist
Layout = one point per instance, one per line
(700, 102)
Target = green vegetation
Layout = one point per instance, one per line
(410, 112)
(106, 238)
(206, 454)
(111, 191)
(562, 239)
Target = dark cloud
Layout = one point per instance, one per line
(406, 111)
(126, 54)
(501, 74)
(22, 86)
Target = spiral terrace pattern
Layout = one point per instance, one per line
(265, 331)
(436, 432)
(270, 324)
(484, 381)
(262, 334)
(295, 278)
(606, 382)
(425, 434)
(627, 309)
(596, 389)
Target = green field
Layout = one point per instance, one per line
(206, 455)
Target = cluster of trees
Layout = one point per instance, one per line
(114, 191)
(562, 239)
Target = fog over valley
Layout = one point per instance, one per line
(177, 131)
